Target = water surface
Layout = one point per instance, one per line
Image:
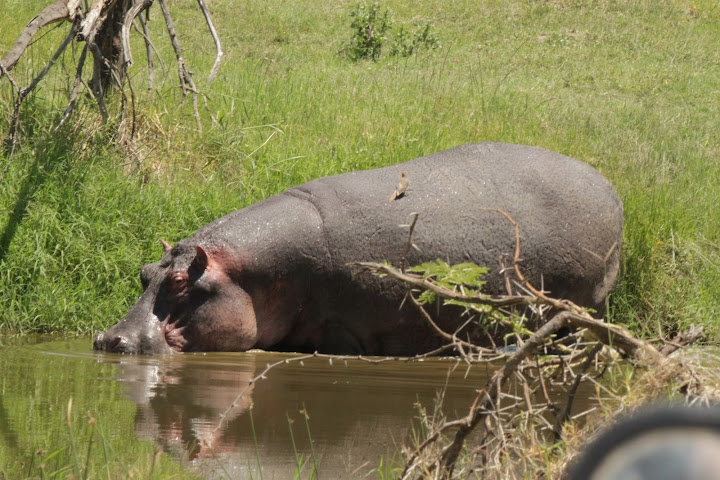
(341, 417)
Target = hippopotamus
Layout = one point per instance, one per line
(278, 274)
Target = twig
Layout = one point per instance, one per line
(75, 90)
(130, 15)
(186, 82)
(12, 137)
(492, 389)
(418, 281)
(133, 123)
(565, 415)
(68, 38)
(450, 338)
(22, 93)
(692, 335)
(95, 84)
(331, 358)
(216, 38)
(409, 243)
(149, 48)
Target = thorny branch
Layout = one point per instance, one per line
(112, 57)
(487, 408)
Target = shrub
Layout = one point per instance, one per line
(369, 25)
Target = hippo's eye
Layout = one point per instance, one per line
(177, 284)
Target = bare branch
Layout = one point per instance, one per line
(104, 26)
(490, 394)
(149, 48)
(50, 64)
(565, 415)
(216, 38)
(500, 420)
(682, 339)
(425, 284)
(15, 120)
(130, 15)
(186, 82)
(22, 93)
(90, 23)
(452, 339)
(73, 7)
(95, 84)
(76, 88)
(410, 243)
(56, 12)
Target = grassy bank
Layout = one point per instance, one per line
(631, 87)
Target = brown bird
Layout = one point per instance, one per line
(401, 187)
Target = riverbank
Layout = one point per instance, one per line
(630, 88)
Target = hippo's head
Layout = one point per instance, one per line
(190, 303)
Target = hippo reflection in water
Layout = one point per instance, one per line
(276, 275)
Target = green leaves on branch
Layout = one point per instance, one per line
(370, 25)
(466, 279)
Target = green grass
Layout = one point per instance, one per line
(632, 87)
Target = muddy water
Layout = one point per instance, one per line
(341, 418)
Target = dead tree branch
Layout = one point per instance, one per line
(104, 26)
(134, 11)
(186, 82)
(216, 38)
(149, 49)
(75, 90)
(56, 12)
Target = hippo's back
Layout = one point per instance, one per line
(569, 215)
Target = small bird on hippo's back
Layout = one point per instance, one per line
(401, 187)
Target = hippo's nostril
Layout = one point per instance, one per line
(114, 343)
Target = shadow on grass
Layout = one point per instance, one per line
(48, 159)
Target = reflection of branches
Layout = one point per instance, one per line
(331, 358)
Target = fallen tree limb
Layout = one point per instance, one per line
(56, 12)
(104, 26)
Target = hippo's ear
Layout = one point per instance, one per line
(166, 246)
(202, 259)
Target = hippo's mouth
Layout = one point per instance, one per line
(173, 332)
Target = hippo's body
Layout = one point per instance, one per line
(275, 275)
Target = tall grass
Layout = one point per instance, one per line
(630, 87)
